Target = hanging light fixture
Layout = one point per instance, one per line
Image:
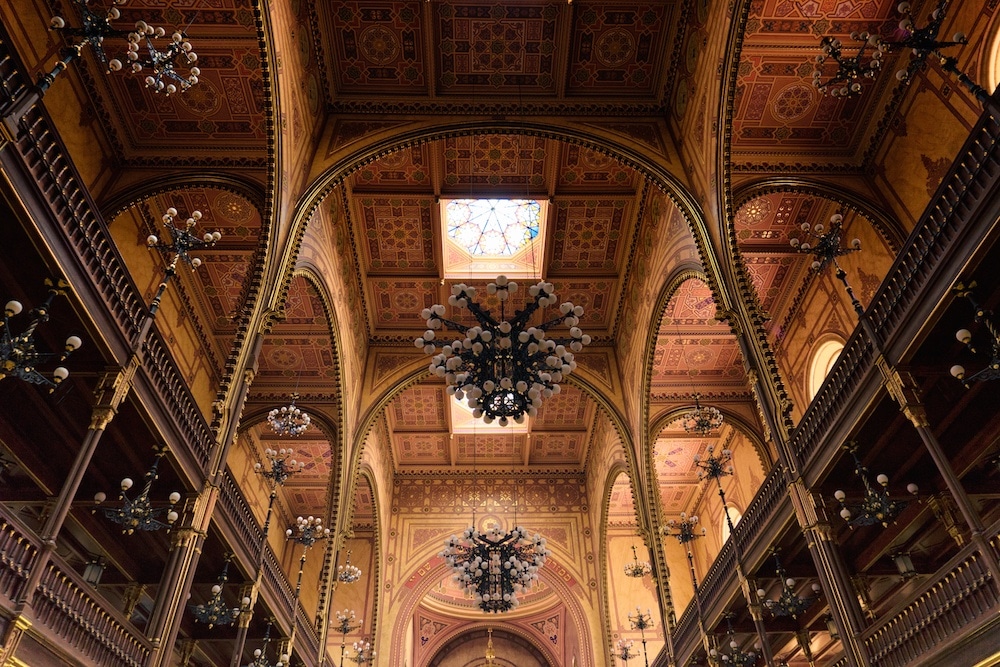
(788, 603)
(736, 655)
(637, 569)
(140, 514)
(163, 63)
(495, 567)
(982, 316)
(701, 420)
(877, 507)
(18, 356)
(491, 654)
(260, 655)
(363, 652)
(503, 367)
(289, 420)
(920, 42)
(904, 565)
(623, 650)
(347, 622)
(216, 611)
(348, 573)
(642, 622)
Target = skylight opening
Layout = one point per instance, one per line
(487, 237)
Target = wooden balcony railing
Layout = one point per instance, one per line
(65, 607)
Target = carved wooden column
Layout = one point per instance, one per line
(186, 543)
(111, 391)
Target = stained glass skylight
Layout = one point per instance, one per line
(493, 227)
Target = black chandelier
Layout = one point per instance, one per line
(982, 316)
(921, 42)
(495, 567)
(163, 63)
(348, 573)
(289, 419)
(701, 420)
(347, 622)
(260, 655)
(140, 514)
(18, 356)
(363, 652)
(637, 568)
(877, 507)
(825, 245)
(788, 602)
(503, 367)
(624, 650)
(736, 656)
(216, 611)
(642, 622)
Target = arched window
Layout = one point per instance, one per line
(992, 59)
(734, 515)
(823, 358)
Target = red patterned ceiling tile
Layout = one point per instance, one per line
(315, 453)
(398, 232)
(398, 302)
(597, 297)
(691, 305)
(587, 234)
(305, 501)
(491, 161)
(421, 449)
(683, 360)
(676, 498)
(378, 46)
(303, 359)
(419, 408)
(303, 309)
(556, 448)
(223, 112)
(489, 45)
(566, 410)
(769, 275)
(585, 168)
(409, 167)
(490, 448)
(619, 48)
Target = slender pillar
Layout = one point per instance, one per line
(172, 593)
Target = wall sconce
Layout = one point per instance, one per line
(904, 564)
(831, 627)
(94, 569)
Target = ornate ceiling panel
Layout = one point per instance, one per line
(223, 115)
(377, 47)
(589, 235)
(494, 160)
(419, 408)
(621, 505)
(408, 167)
(763, 228)
(398, 233)
(421, 448)
(298, 352)
(568, 410)
(694, 352)
(619, 49)
(778, 112)
(586, 169)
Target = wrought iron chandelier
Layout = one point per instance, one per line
(216, 611)
(163, 63)
(348, 573)
(495, 567)
(788, 603)
(637, 569)
(623, 650)
(289, 420)
(347, 622)
(140, 514)
(825, 246)
(877, 507)
(701, 420)
(736, 655)
(982, 316)
(282, 466)
(18, 356)
(260, 654)
(920, 42)
(642, 622)
(503, 367)
(363, 652)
